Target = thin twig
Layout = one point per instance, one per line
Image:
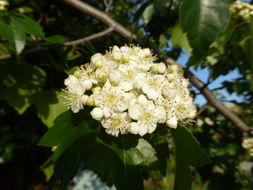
(201, 110)
(107, 5)
(69, 43)
(86, 8)
(88, 38)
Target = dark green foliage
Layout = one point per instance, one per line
(15, 27)
(188, 153)
(203, 21)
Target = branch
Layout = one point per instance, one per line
(107, 6)
(88, 38)
(69, 43)
(201, 110)
(85, 8)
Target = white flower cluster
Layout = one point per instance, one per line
(248, 144)
(242, 10)
(3, 4)
(130, 92)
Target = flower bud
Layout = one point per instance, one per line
(161, 68)
(54, 148)
(98, 64)
(86, 84)
(173, 68)
(78, 74)
(145, 52)
(154, 68)
(97, 113)
(96, 57)
(96, 90)
(115, 77)
(117, 55)
(84, 99)
(170, 77)
(102, 76)
(90, 101)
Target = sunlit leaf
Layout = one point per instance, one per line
(19, 82)
(50, 104)
(178, 38)
(203, 21)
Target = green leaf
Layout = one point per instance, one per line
(73, 54)
(28, 25)
(3, 49)
(84, 130)
(163, 43)
(112, 169)
(19, 82)
(124, 159)
(72, 135)
(56, 134)
(143, 154)
(159, 141)
(67, 156)
(188, 153)
(13, 33)
(47, 168)
(247, 45)
(14, 28)
(203, 21)
(147, 14)
(178, 38)
(50, 104)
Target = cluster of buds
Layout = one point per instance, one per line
(248, 144)
(3, 4)
(130, 91)
(242, 11)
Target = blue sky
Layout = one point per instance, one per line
(202, 74)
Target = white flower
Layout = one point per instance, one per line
(136, 129)
(114, 98)
(115, 77)
(146, 115)
(130, 91)
(152, 86)
(73, 85)
(74, 101)
(116, 123)
(97, 113)
(169, 91)
(144, 53)
(158, 68)
(97, 60)
(247, 143)
(127, 77)
(172, 121)
(108, 97)
(161, 68)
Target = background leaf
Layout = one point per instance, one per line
(50, 104)
(178, 38)
(203, 21)
(188, 153)
(19, 82)
(71, 141)
(15, 27)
